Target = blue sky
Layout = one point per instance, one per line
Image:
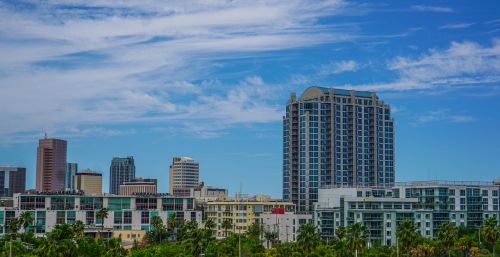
(210, 79)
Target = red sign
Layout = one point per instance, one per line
(278, 211)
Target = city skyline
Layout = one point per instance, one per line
(217, 90)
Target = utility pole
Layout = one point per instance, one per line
(239, 242)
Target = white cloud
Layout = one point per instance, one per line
(463, 63)
(429, 8)
(338, 67)
(442, 115)
(111, 62)
(456, 26)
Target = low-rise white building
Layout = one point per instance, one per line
(285, 224)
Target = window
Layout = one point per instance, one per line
(145, 217)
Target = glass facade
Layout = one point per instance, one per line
(121, 170)
(335, 137)
(428, 204)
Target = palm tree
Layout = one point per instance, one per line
(464, 244)
(158, 228)
(171, 224)
(423, 250)
(26, 220)
(308, 238)
(407, 234)
(209, 225)
(101, 215)
(447, 234)
(340, 232)
(490, 231)
(227, 224)
(78, 229)
(356, 237)
(14, 225)
(270, 236)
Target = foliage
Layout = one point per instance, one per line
(186, 239)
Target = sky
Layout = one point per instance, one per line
(210, 79)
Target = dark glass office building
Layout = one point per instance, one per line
(12, 180)
(335, 138)
(121, 170)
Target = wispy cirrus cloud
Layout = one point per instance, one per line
(145, 61)
(463, 63)
(430, 8)
(442, 115)
(456, 26)
(338, 67)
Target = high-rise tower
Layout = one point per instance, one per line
(51, 165)
(71, 170)
(12, 180)
(334, 138)
(121, 170)
(184, 174)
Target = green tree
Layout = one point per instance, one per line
(407, 235)
(158, 231)
(227, 224)
(270, 237)
(285, 249)
(171, 225)
(447, 235)
(465, 243)
(78, 229)
(308, 238)
(26, 220)
(113, 248)
(101, 215)
(254, 230)
(490, 232)
(209, 224)
(356, 236)
(58, 243)
(340, 232)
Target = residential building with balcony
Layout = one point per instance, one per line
(242, 212)
(335, 137)
(427, 203)
(125, 212)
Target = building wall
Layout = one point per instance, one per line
(334, 137)
(428, 204)
(184, 173)
(241, 213)
(285, 225)
(12, 180)
(131, 189)
(71, 170)
(125, 213)
(51, 165)
(90, 183)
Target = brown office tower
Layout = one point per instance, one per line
(51, 165)
(12, 180)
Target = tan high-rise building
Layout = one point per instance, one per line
(51, 165)
(184, 174)
(89, 181)
(139, 186)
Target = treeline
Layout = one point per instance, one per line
(183, 239)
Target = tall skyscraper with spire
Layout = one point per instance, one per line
(335, 138)
(51, 164)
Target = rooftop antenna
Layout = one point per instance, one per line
(45, 134)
